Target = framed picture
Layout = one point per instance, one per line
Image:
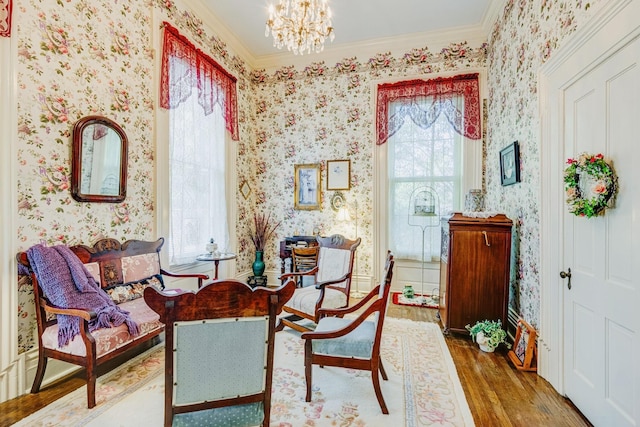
(338, 174)
(307, 187)
(510, 164)
(524, 352)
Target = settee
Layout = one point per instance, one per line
(123, 271)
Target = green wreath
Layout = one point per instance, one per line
(591, 194)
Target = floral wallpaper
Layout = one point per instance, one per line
(327, 112)
(81, 57)
(523, 38)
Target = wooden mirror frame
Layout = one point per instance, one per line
(76, 161)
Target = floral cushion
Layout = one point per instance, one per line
(108, 339)
(135, 290)
(139, 267)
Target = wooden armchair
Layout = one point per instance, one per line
(219, 352)
(351, 343)
(332, 282)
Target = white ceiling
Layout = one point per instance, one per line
(354, 21)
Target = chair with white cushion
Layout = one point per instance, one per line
(332, 273)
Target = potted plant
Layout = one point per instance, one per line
(488, 334)
(263, 230)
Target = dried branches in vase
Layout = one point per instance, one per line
(263, 230)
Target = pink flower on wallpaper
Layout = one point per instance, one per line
(354, 81)
(290, 88)
(290, 120)
(347, 65)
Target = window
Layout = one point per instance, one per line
(425, 130)
(198, 209)
(200, 97)
(419, 158)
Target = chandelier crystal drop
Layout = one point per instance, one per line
(300, 25)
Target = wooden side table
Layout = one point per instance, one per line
(225, 256)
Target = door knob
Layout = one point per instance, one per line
(566, 275)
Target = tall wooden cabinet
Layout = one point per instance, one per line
(474, 270)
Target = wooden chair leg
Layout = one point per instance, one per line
(42, 366)
(382, 372)
(308, 365)
(376, 387)
(91, 385)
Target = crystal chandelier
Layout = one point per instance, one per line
(300, 25)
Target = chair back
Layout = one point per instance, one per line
(219, 352)
(304, 259)
(336, 255)
(384, 290)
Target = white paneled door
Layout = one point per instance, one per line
(601, 320)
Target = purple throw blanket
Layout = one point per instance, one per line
(67, 283)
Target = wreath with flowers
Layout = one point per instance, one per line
(590, 185)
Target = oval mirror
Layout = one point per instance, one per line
(98, 161)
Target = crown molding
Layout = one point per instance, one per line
(492, 14)
(398, 45)
(221, 30)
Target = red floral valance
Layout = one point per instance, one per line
(214, 83)
(442, 91)
(5, 18)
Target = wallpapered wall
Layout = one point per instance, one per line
(523, 38)
(95, 57)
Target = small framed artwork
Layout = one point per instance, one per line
(510, 164)
(307, 187)
(524, 352)
(338, 174)
(245, 190)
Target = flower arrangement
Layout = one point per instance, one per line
(489, 334)
(590, 184)
(263, 230)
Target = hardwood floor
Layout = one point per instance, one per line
(497, 393)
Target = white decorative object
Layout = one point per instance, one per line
(474, 201)
(300, 25)
(211, 247)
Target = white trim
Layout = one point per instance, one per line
(606, 32)
(12, 377)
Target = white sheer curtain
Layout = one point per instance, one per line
(424, 151)
(197, 178)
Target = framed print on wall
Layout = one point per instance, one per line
(510, 164)
(338, 174)
(307, 187)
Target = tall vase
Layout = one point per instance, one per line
(258, 265)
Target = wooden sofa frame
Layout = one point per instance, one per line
(107, 254)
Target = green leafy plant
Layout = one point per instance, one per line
(263, 230)
(492, 331)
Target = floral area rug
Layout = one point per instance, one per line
(423, 388)
(426, 300)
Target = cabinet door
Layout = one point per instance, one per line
(478, 276)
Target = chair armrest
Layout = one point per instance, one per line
(332, 282)
(311, 272)
(339, 312)
(376, 306)
(78, 312)
(200, 277)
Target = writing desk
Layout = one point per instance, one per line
(288, 242)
